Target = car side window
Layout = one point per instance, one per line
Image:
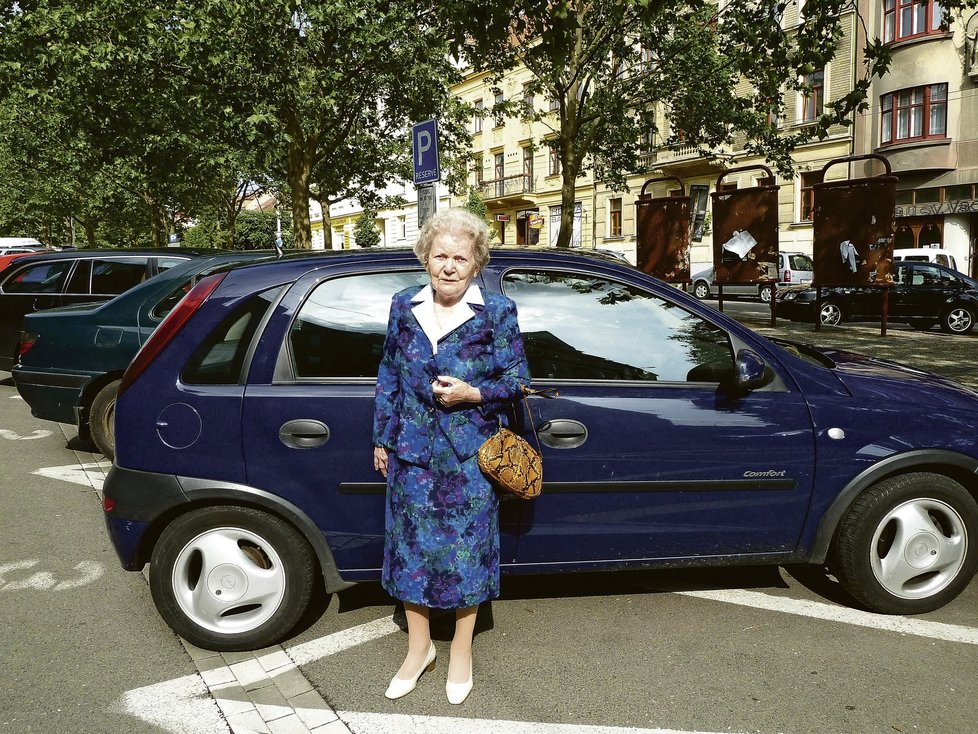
(339, 330)
(44, 277)
(582, 327)
(117, 275)
(220, 357)
(165, 263)
(80, 280)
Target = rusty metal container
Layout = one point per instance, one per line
(745, 232)
(662, 233)
(854, 221)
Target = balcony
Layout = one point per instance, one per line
(681, 160)
(508, 191)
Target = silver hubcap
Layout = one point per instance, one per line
(831, 315)
(919, 548)
(229, 580)
(702, 291)
(959, 319)
(766, 295)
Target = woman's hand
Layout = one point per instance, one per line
(450, 391)
(380, 460)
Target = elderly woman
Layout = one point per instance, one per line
(453, 362)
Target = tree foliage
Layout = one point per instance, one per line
(365, 232)
(608, 65)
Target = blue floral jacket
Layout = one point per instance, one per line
(486, 351)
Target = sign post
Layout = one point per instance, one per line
(424, 145)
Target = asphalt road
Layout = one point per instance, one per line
(729, 650)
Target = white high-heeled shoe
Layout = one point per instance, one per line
(458, 692)
(400, 687)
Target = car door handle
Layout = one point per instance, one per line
(304, 433)
(562, 433)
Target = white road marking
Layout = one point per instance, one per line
(14, 436)
(821, 610)
(88, 571)
(372, 723)
(322, 647)
(91, 474)
(180, 706)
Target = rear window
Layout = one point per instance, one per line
(221, 356)
(39, 278)
(800, 262)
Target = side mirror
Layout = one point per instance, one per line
(750, 371)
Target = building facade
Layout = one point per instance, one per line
(923, 118)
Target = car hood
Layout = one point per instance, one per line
(866, 376)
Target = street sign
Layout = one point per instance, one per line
(427, 203)
(424, 143)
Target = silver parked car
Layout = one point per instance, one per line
(794, 268)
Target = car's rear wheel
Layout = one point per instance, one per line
(101, 419)
(701, 289)
(909, 544)
(766, 293)
(957, 319)
(232, 578)
(831, 314)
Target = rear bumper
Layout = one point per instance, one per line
(139, 498)
(52, 396)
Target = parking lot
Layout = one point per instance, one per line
(729, 650)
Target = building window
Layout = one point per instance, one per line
(477, 116)
(554, 167)
(807, 198)
(528, 101)
(477, 167)
(528, 168)
(499, 172)
(614, 217)
(499, 117)
(910, 18)
(554, 104)
(402, 228)
(813, 99)
(914, 114)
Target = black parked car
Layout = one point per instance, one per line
(922, 295)
(71, 358)
(37, 282)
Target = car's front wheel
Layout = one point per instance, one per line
(831, 314)
(909, 544)
(957, 320)
(766, 293)
(232, 578)
(701, 289)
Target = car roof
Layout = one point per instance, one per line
(120, 252)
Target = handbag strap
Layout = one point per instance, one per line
(546, 392)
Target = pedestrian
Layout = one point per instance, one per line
(453, 363)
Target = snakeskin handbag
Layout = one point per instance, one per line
(510, 462)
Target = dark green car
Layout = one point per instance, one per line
(72, 358)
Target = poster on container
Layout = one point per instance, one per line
(662, 233)
(745, 231)
(853, 222)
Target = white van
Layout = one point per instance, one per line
(10, 245)
(926, 255)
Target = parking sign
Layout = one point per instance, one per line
(424, 139)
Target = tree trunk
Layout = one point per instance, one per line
(89, 225)
(299, 177)
(157, 221)
(327, 225)
(568, 191)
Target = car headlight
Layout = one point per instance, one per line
(790, 296)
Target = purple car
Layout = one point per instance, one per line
(243, 469)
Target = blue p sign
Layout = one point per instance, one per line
(424, 139)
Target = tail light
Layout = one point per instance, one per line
(787, 276)
(170, 327)
(27, 341)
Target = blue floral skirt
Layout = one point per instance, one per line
(441, 545)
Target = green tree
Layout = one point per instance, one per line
(608, 64)
(365, 232)
(327, 90)
(475, 204)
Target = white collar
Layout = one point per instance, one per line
(424, 311)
